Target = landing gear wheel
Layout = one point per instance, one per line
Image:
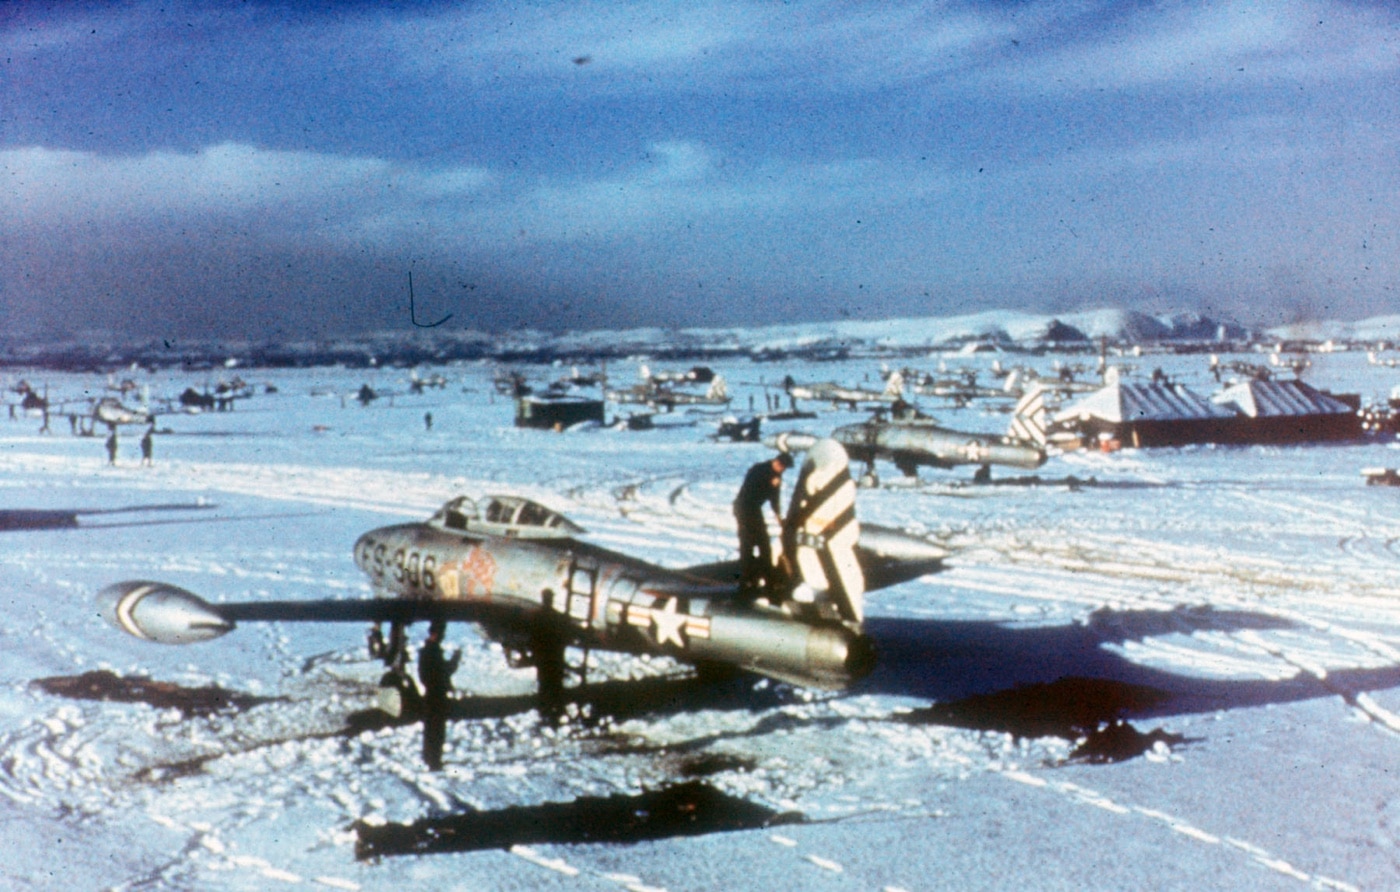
(399, 697)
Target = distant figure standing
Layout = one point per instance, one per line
(148, 446)
(762, 485)
(435, 672)
(112, 447)
(427, 420)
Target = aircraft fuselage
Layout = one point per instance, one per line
(610, 601)
(909, 445)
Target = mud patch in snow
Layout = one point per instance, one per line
(106, 685)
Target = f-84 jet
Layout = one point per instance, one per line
(909, 442)
(522, 573)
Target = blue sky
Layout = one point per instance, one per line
(278, 169)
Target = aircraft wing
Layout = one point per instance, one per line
(887, 557)
(720, 573)
(156, 611)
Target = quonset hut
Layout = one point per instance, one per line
(1142, 414)
(1256, 411)
(1288, 412)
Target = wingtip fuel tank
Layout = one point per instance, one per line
(156, 611)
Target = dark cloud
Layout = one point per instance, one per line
(280, 167)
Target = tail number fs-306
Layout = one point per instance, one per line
(410, 568)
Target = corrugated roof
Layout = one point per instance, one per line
(1269, 399)
(1129, 401)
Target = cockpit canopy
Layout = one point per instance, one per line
(511, 516)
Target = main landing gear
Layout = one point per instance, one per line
(399, 696)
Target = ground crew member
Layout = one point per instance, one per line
(435, 672)
(547, 643)
(148, 446)
(762, 484)
(112, 447)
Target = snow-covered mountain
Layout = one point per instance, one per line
(1004, 329)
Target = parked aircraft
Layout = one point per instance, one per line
(853, 397)
(651, 393)
(911, 442)
(520, 571)
(962, 388)
(111, 412)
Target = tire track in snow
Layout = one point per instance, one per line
(1085, 796)
(203, 837)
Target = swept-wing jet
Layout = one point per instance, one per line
(521, 572)
(836, 394)
(909, 443)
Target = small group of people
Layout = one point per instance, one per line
(148, 446)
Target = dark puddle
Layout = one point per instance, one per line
(1090, 709)
(103, 684)
(690, 809)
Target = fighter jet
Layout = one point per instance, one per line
(853, 397)
(909, 443)
(961, 388)
(665, 396)
(521, 572)
(111, 412)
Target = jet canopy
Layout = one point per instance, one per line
(510, 516)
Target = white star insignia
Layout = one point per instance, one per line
(668, 623)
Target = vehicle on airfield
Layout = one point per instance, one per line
(909, 442)
(520, 572)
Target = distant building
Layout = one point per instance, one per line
(1165, 414)
(556, 412)
(1142, 414)
(1290, 412)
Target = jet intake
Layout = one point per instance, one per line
(155, 611)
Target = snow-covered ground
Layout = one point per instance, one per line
(1239, 605)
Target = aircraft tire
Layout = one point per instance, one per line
(399, 697)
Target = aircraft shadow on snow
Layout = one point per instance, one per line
(1039, 681)
(1036, 681)
(19, 519)
(1044, 681)
(1032, 682)
(1061, 680)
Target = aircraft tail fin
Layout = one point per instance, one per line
(718, 389)
(894, 385)
(821, 532)
(1013, 381)
(1029, 420)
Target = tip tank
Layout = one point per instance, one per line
(790, 441)
(156, 611)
